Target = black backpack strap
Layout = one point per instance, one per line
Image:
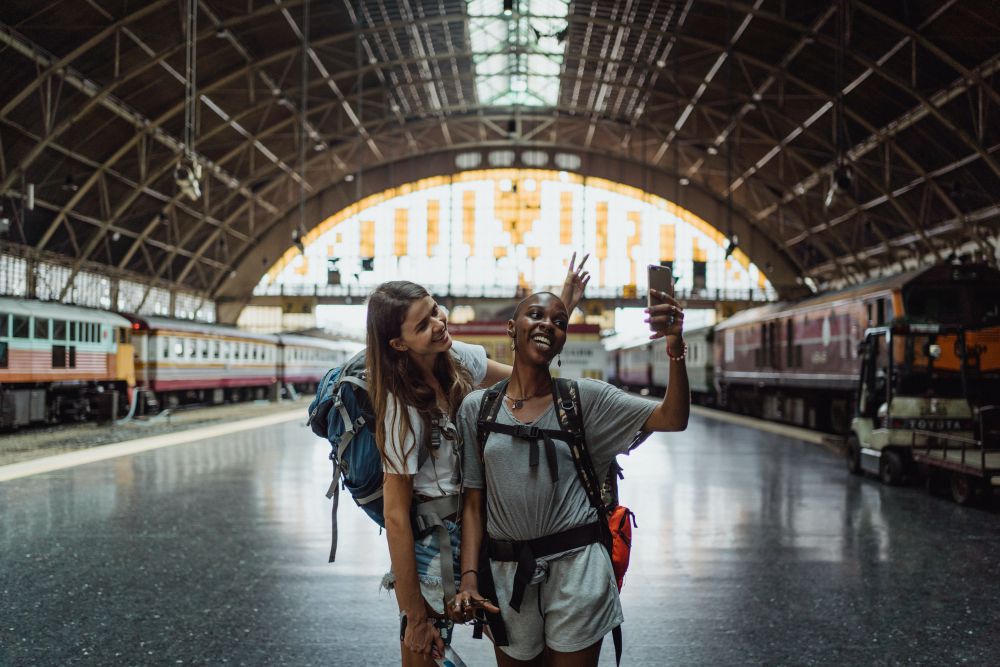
(488, 410)
(566, 394)
(489, 407)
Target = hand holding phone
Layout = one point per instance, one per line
(659, 279)
(665, 314)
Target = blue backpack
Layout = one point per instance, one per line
(342, 413)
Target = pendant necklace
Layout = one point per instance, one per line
(518, 403)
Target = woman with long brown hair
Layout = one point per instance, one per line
(418, 377)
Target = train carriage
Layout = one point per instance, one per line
(798, 362)
(304, 360)
(643, 366)
(183, 362)
(61, 362)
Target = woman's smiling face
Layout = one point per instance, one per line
(425, 329)
(539, 328)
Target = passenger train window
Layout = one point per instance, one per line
(58, 329)
(178, 348)
(165, 343)
(3, 354)
(4, 325)
(215, 349)
(41, 328)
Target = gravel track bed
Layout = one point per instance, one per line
(51, 440)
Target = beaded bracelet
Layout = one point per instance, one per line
(684, 353)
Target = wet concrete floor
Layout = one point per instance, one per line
(751, 549)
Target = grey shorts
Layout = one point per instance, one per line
(571, 603)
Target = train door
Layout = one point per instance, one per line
(125, 358)
(874, 376)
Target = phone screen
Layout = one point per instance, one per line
(660, 279)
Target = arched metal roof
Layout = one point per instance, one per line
(765, 106)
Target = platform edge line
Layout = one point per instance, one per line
(113, 450)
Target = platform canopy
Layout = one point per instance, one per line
(833, 141)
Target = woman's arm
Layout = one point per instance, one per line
(495, 371)
(421, 636)
(472, 537)
(468, 598)
(666, 320)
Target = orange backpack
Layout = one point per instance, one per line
(621, 520)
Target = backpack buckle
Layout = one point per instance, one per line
(526, 432)
(567, 405)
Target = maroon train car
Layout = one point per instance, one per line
(797, 362)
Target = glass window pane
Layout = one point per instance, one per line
(58, 329)
(41, 328)
(21, 327)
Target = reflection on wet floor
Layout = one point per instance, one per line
(751, 549)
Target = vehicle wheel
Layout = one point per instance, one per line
(890, 467)
(963, 489)
(853, 455)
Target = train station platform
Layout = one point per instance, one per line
(752, 548)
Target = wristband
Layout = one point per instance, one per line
(683, 355)
(475, 572)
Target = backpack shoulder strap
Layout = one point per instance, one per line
(488, 410)
(566, 394)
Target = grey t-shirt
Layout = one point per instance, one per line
(530, 504)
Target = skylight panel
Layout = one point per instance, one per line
(518, 51)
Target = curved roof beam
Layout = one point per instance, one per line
(471, 119)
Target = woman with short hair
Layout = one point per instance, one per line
(553, 578)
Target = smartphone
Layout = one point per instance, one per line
(660, 278)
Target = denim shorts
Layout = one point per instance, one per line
(429, 566)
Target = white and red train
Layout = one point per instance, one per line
(798, 362)
(69, 363)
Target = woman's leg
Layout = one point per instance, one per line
(588, 657)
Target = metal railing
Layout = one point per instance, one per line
(620, 293)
